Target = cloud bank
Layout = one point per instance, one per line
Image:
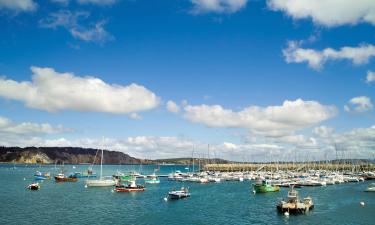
(328, 13)
(317, 58)
(53, 91)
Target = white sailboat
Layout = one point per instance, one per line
(102, 181)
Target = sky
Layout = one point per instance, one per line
(245, 80)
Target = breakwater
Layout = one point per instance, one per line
(289, 166)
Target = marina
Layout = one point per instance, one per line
(230, 193)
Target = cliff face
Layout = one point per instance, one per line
(69, 155)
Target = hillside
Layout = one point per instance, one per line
(68, 155)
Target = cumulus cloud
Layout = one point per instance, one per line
(53, 91)
(173, 107)
(18, 5)
(370, 77)
(27, 128)
(217, 6)
(317, 58)
(275, 120)
(327, 13)
(323, 131)
(73, 22)
(359, 104)
(358, 142)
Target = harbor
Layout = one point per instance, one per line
(212, 202)
(339, 166)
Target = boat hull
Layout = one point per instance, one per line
(129, 189)
(266, 188)
(173, 196)
(66, 179)
(33, 187)
(36, 177)
(100, 183)
(152, 181)
(294, 210)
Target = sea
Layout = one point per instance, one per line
(226, 203)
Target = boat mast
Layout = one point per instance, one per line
(101, 165)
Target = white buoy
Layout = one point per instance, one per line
(112, 191)
(165, 199)
(85, 185)
(24, 178)
(286, 214)
(254, 192)
(362, 203)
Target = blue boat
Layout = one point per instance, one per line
(42, 176)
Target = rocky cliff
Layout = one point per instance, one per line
(68, 155)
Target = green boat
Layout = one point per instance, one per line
(125, 177)
(263, 186)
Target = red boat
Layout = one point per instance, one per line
(132, 187)
(62, 178)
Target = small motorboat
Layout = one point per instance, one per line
(371, 188)
(152, 179)
(132, 187)
(42, 176)
(183, 193)
(33, 186)
(264, 186)
(294, 205)
(62, 178)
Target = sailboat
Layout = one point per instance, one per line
(103, 181)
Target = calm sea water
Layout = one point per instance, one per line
(214, 203)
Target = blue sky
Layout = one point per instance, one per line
(199, 54)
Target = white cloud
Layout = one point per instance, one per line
(97, 2)
(370, 77)
(18, 5)
(297, 141)
(328, 13)
(96, 33)
(323, 131)
(135, 116)
(26, 128)
(53, 91)
(218, 6)
(358, 143)
(274, 120)
(359, 104)
(173, 107)
(316, 59)
(72, 21)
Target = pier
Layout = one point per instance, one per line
(289, 166)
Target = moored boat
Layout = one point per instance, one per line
(131, 187)
(152, 179)
(42, 176)
(263, 186)
(124, 177)
(63, 178)
(33, 186)
(183, 193)
(102, 181)
(293, 205)
(371, 188)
